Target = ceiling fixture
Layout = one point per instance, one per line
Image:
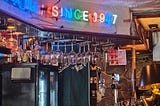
(153, 26)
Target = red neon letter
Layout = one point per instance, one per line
(93, 17)
(55, 11)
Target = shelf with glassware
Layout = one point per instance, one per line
(62, 53)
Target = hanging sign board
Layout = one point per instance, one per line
(117, 57)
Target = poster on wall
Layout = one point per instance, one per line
(117, 57)
(122, 57)
(113, 57)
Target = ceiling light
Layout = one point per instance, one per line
(17, 33)
(153, 26)
(10, 27)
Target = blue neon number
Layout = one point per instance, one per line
(26, 5)
(108, 18)
(34, 7)
(31, 6)
(19, 4)
(13, 2)
(7, 1)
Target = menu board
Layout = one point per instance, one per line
(117, 57)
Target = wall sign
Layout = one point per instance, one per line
(26, 5)
(81, 15)
(117, 57)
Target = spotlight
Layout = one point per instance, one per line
(113, 86)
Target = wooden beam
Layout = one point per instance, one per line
(141, 32)
(138, 47)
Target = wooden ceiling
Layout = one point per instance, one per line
(147, 18)
(149, 21)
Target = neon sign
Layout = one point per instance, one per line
(81, 15)
(26, 5)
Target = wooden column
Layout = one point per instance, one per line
(133, 72)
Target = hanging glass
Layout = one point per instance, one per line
(72, 55)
